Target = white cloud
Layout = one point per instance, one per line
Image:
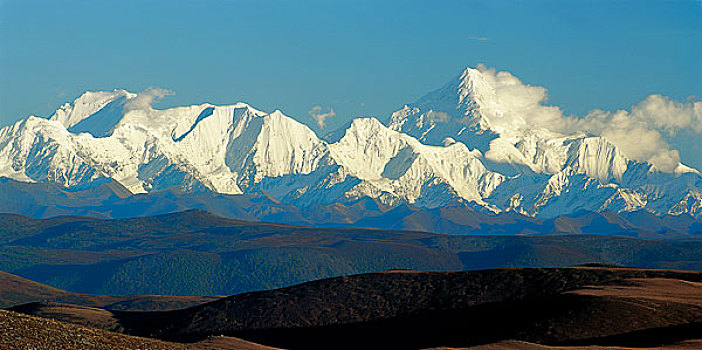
(669, 115)
(639, 133)
(478, 38)
(319, 116)
(633, 135)
(440, 117)
(146, 98)
(518, 105)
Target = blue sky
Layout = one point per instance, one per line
(357, 57)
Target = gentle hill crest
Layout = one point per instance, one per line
(15, 290)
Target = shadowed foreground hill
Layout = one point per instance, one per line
(411, 310)
(197, 253)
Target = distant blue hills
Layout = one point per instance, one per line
(110, 200)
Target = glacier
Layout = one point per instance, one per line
(443, 149)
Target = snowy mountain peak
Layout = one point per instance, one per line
(461, 143)
(86, 105)
(684, 169)
(476, 97)
(463, 105)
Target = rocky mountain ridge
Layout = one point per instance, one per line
(447, 147)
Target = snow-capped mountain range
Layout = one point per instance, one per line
(442, 149)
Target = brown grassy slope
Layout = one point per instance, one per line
(27, 332)
(15, 290)
(76, 314)
(21, 331)
(661, 289)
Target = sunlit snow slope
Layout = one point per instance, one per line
(446, 147)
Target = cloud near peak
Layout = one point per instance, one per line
(146, 98)
(639, 133)
(319, 116)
